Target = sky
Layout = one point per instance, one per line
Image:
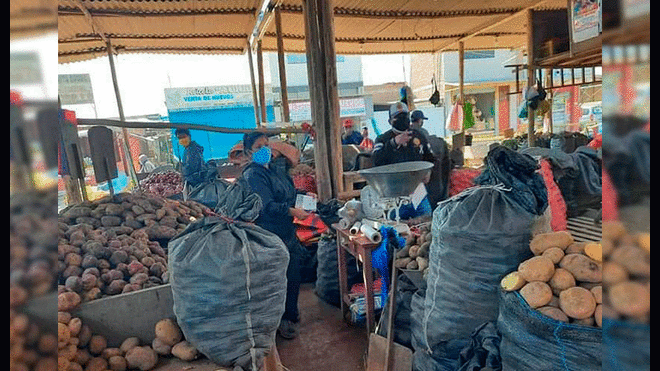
(143, 78)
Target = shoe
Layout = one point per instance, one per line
(287, 329)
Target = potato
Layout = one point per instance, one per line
(554, 302)
(63, 334)
(512, 282)
(630, 298)
(544, 241)
(117, 363)
(582, 267)
(168, 331)
(597, 292)
(613, 230)
(644, 241)
(575, 248)
(536, 294)
(68, 301)
(82, 356)
(129, 344)
(422, 263)
(424, 249)
(594, 251)
(63, 317)
(185, 351)
(598, 315)
(63, 363)
(97, 343)
(554, 313)
(577, 302)
(141, 357)
(68, 352)
(111, 352)
(402, 253)
(48, 344)
(96, 364)
(561, 280)
(554, 253)
(85, 335)
(412, 265)
(538, 268)
(589, 321)
(413, 251)
(634, 259)
(160, 347)
(614, 273)
(402, 262)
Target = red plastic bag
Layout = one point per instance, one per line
(555, 199)
(310, 228)
(461, 179)
(610, 199)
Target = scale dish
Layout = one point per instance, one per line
(397, 180)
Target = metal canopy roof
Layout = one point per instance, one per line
(30, 18)
(225, 26)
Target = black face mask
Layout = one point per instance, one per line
(401, 121)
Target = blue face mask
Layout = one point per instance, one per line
(262, 156)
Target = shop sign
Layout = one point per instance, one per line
(24, 69)
(636, 8)
(75, 88)
(348, 107)
(585, 19)
(559, 115)
(207, 97)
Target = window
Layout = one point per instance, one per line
(479, 54)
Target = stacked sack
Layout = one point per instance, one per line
(551, 307)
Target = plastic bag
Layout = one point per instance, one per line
(533, 341)
(327, 273)
(626, 346)
(208, 193)
(455, 119)
(228, 280)
(479, 236)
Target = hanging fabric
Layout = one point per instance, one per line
(455, 118)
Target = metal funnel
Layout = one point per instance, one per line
(397, 180)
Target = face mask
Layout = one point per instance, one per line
(262, 156)
(401, 121)
(184, 141)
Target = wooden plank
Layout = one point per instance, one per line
(530, 74)
(262, 88)
(255, 99)
(280, 62)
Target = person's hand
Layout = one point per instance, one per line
(427, 178)
(298, 213)
(312, 194)
(403, 138)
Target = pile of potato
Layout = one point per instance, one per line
(626, 274)
(78, 348)
(112, 245)
(563, 280)
(415, 254)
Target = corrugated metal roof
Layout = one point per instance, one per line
(28, 18)
(224, 26)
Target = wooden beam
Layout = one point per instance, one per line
(177, 125)
(530, 75)
(461, 71)
(280, 62)
(322, 77)
(262, 88)
(255, 99)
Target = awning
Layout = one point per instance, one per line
(225, 26)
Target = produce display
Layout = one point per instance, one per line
(112, 245)
(563, 280)
(626, 274)
(77, 347)
(415, 254)
(304, 177)
(32, 263)
(163, 184)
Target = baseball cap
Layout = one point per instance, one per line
(416, 115)
(347, 123)
(397, 108)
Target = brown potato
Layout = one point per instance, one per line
(185, 351)
(613, 230)
(412, 265)
(554, 313)
(544, 241)
(589, 321)
(577, 302)
(68, 301)
(422, 263)
(634, 259)
(536, 294)
(141, 357)
(117, 363)
(160, 347)
(630, 298)
(129, 343)
(575, 248)
(168, 331)
(613, 273)
(96, 364)
(111, 352)
(554, 253)
(413, 251)
(97, 343)
(538, 268)
(594, 251)
(401, 263)
(597, 292)
(598, 315)
(561, 280)
(582, 267)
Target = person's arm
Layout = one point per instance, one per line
(261, 185)
(384, 150)
(192, 168)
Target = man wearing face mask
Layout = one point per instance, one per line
(278, 194)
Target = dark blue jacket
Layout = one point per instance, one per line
(278, 194)
(354, 138)
(193, 166)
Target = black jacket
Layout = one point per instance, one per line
(193, 167)
(386, 151)
(278, 194)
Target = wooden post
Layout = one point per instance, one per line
(549, 77)
(461, 70)
(262, 88)
(128, 165)
(255, 99)
(322, 77)
(530, 75)
(282, 69)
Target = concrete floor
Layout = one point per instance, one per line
(325, 342)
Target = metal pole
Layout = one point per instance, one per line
(130, 167)
(255, 99)
(282, 69)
